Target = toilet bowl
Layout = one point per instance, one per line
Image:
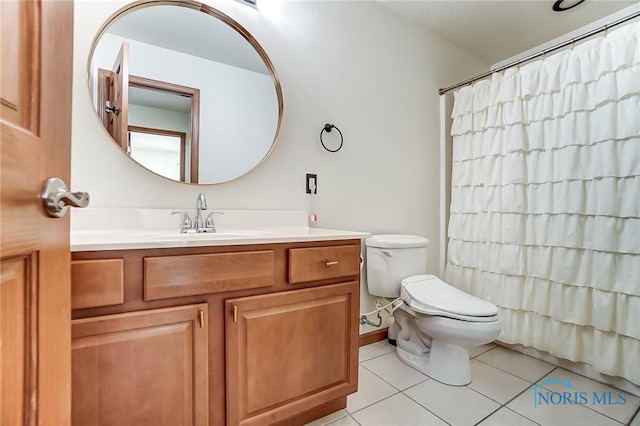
(435, 324)
(448, 322)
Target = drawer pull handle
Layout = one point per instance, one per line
(201, 317)
(235, 313)
(334, 262)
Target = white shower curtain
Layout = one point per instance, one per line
(545, 201)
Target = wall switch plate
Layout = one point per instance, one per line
(312, 183)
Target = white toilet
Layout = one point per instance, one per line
(436, 324)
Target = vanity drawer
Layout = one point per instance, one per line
(320, 263)
(96, 283)
(178, 276)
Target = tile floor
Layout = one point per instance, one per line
(501, 394)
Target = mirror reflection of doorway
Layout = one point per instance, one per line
(162, 151)
(128, 100)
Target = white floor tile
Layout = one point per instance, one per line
(345, 421)
(523, 366)
(375, 349)
(328, 419)
(479, 350)
(371, 389)
(620, 412)
(494, 383)
(397, 410)
(549, 414)
(457, 405)
(393, 371)
(498, 373)
(506, 417)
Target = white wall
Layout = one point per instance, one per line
(350, 63)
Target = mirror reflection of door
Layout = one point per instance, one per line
(151, 104)
(113, 90)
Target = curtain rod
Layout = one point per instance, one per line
(541, 53)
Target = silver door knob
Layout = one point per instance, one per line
(56, 198)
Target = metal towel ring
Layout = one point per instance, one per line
(327, 128)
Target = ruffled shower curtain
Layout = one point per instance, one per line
(545, 202)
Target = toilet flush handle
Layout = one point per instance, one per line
(389, 253)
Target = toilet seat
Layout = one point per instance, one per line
(427, 294)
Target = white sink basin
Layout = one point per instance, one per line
(175, 236)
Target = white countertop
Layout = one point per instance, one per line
(89, 240)
(110, 229)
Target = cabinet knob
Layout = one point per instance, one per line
(235, 313)
(331, 263)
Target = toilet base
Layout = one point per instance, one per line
(444, 362)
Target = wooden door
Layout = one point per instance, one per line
(142, 368)
(113, 97)
(121, 97)
(35, 134)
(287, 352)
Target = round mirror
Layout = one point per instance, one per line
(185, 91)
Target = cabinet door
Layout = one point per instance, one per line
(141, 368)
(289, 352)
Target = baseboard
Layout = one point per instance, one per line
(373, 336)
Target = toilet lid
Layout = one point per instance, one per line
(430, 295)
(396, 241)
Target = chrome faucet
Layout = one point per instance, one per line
(201, 204)
(198, 225)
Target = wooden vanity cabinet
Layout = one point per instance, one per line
(141, 368)
(262, 334)
(289, 351)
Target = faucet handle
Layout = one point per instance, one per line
(210, 223)
(186, 220)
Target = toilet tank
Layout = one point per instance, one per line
(391, 258)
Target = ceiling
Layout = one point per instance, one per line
(497, 30)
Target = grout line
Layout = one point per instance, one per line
(521, 415)
(377, 356)
(342, 418)
(602, 414)
(489, 415)
(525, 390)
(357, 422)
(373, 403)
(522, 378)
(482, 353)
(486, 396)
(399, 390)
(425, 407)
(635, 416)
